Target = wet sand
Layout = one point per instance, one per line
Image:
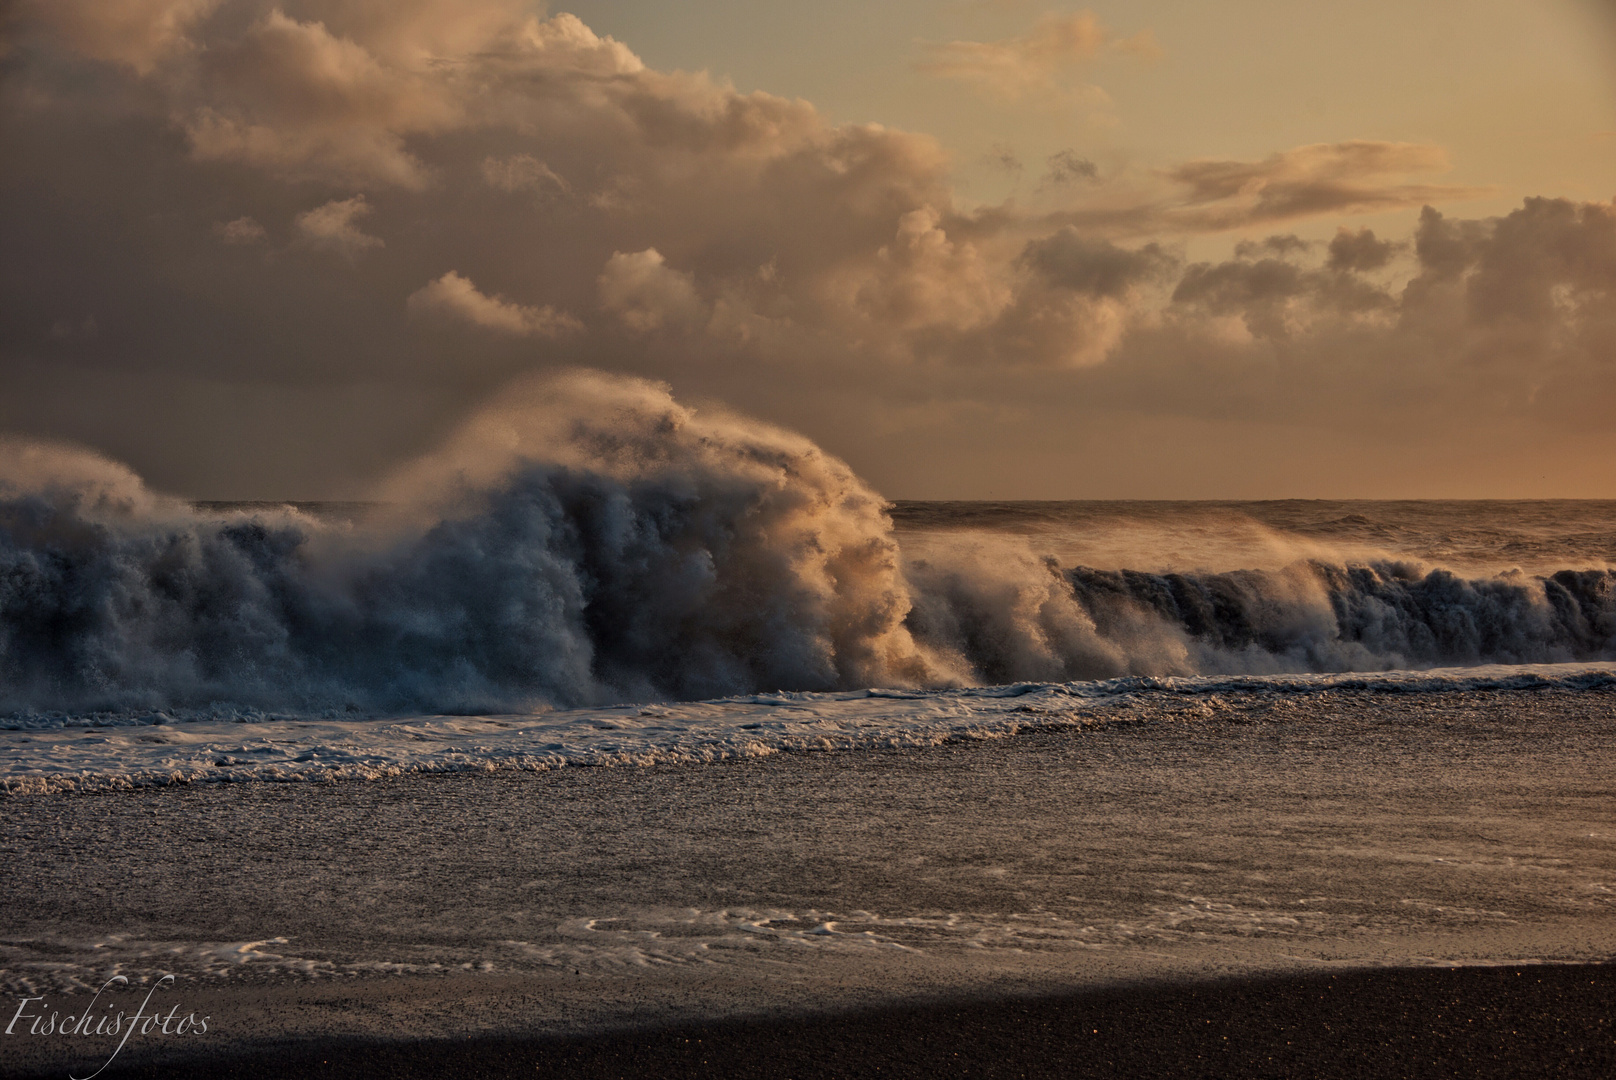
(1194, 893)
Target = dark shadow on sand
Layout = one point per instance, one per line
(1525, 1021)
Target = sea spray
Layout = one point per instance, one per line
(585, 539)
(1315, 616)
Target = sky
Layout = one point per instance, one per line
(990, 249)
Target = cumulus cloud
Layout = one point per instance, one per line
(1274, 297)
(139, 33)
(1509, 316)
(1097, 267)
(454, 297)
(923, 279)
(331, 226)
(1359, 250)
(738, 244)
(1550, 266)
(643, 291)
(297, 99)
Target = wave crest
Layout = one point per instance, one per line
(587, 539)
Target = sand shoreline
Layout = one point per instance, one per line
(1515, 1021)
(1232, 854)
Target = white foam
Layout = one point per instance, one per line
(63, 753)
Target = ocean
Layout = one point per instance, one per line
(728, 734)
(209, 644)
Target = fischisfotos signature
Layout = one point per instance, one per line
(36, 1017)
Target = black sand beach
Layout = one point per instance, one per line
(1359, 885)
(1522, 1021)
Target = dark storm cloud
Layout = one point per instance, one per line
(1266, 293)
(1359, 250)
(1551, 264)
(1504, 318)
(1281, 245)
(1235, 286)
(1098, 267)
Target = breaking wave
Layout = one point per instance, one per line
(1016, 617)
(587, 540)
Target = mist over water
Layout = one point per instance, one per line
(1475, 538)
(586, 539)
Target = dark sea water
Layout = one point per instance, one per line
(563, 620)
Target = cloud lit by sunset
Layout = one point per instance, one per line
(313, 234)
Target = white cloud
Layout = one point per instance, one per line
(923, 279)
(542, 156)
(332, 226)
(455, 297)
(242, 230)
(646, 294)
(292, 97)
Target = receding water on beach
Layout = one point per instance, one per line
(1162, 833)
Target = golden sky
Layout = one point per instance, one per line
(978, 249)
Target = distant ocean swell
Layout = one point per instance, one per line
(588, 540)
